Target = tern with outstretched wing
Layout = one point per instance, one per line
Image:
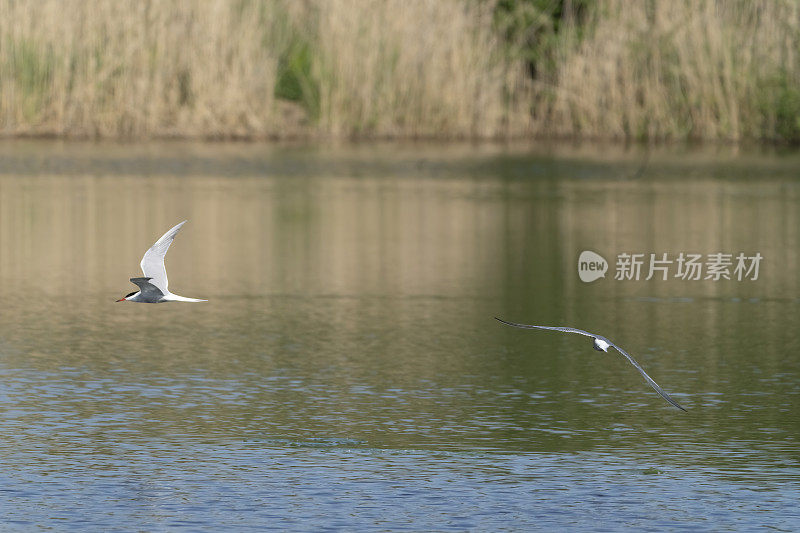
(602, 344)
(153, 286)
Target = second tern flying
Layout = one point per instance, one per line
(153, 286)
(602, 344)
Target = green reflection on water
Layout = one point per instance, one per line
(352, 294)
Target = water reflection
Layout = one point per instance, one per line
(350, 327)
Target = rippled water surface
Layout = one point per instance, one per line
(347, 372)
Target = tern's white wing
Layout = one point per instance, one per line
(153, 260)
(554, 328)
(647, 378)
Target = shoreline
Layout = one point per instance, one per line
(330, 140)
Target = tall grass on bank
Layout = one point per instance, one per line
(251, 68)
(134, 69)
(418, 68)
(672, 69)
(706, 69)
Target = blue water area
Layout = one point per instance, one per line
(347, 372)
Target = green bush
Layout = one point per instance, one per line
(781, 107)
(295, 79)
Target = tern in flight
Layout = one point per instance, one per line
(153, 286)
(602, 344)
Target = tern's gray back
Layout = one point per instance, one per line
(148, 292)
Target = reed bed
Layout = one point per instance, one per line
(218, 68)
(134, 69)
(707, 69)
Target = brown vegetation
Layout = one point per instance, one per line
(709, 69)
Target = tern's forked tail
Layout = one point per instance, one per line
(175, 298)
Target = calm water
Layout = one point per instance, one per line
(347, 373)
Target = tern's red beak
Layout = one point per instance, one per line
(121, 300)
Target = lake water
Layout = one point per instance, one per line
(347, 372)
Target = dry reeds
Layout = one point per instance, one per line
(213, 68)
(710, 69)
(707, 69)
(119, 69)
(411, 68)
